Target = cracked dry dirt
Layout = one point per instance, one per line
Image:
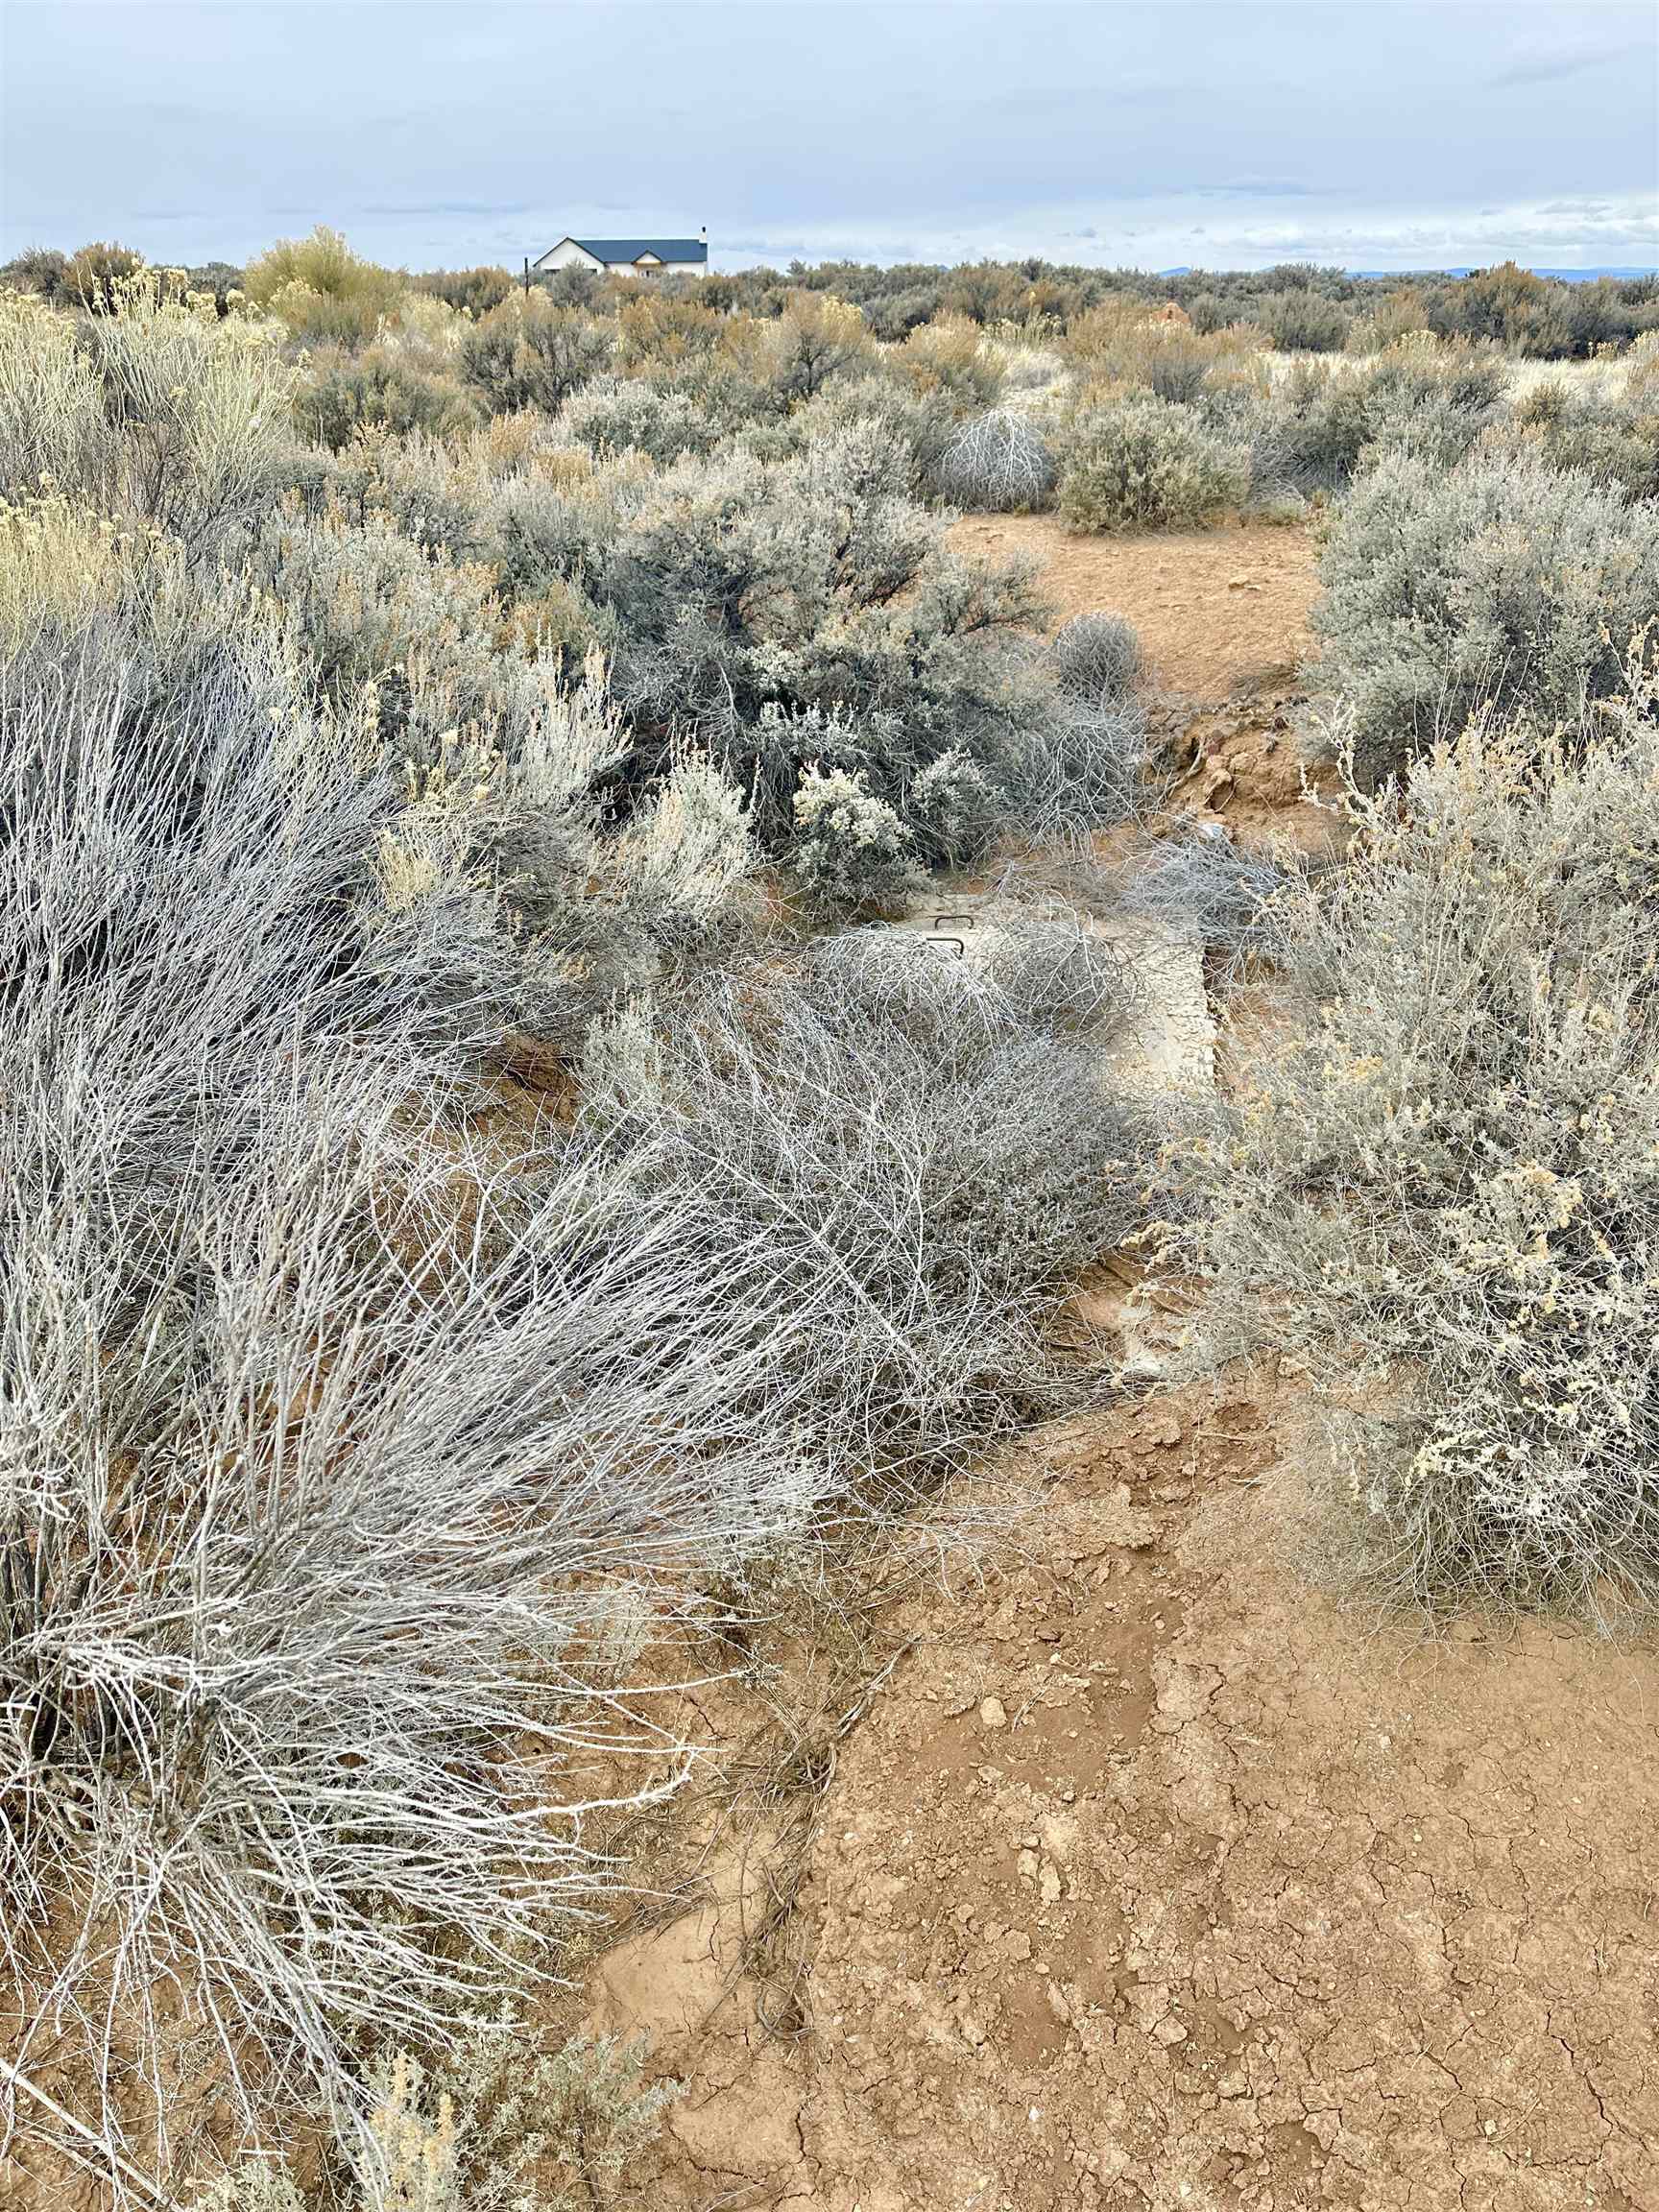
(1150, 1879)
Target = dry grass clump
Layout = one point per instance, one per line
(1097, 658)
(1205, 888)
(1442, 1193)
(892, 1162)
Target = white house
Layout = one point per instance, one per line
(630, 256)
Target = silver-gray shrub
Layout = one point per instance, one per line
(852, 856)
(1205, 888)
(1614, 442)
(623, 414)
(1089, 773)
(1441, 1190)
(1502, 580)
(997, 464)
(1320, 428)
(919, 423)
(804, 613)
(777, 612)
(530, 353)
(1097, 658)
(1148, 464)
(892, 1161)
(504, 758)
(325, 1427)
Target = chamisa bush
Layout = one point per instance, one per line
(93, 276)
(1503, 579)
(1442, 1192)
(320, 291)
(1127, 341)
(1146, 464)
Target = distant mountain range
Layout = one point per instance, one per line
(1404, 275)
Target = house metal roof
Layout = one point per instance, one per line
(631, 248)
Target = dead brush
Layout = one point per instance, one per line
(997, 464)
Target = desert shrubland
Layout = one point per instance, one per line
(1439, 1192)
(481, 1164)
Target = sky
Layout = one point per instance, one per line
(1221, 133)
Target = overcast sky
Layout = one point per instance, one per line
(1381, 135)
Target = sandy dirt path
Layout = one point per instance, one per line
(1151, 1880)
(1219, 611)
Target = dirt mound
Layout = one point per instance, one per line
(1150, 1880)
(1247, 764)
(1219, 611)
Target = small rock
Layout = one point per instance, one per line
(1027, 1865)
(1050, 1883)
(992, 1713)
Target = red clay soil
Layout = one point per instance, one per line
(1152, 1879)
(1219, 611)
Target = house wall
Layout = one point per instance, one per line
(567, 254)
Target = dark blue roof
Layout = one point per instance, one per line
(631, 248)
